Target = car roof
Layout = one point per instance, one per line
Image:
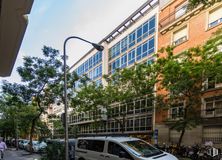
(109, 138)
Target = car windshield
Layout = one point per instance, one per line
(142, 148)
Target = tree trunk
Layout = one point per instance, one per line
(122, 125)
(184, 128)
(181, 137)
(33, 129)
(31, 133)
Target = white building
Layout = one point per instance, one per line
(133, 41)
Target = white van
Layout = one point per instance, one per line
(117, 148)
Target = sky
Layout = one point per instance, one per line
(51, 21)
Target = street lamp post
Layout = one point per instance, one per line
(96, 46)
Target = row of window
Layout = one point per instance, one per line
(131, 124)
(142, 51)
(89, 64)
(134, 107)
(93, 75)
(181, 35)
(213, 107)
(86, 116)
(143, 31)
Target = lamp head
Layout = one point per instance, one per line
(97, 46)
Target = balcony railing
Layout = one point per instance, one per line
(173, 16)
(178, 15)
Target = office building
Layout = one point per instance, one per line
(133, 41)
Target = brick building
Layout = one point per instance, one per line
(184, 29)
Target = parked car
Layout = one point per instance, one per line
(23, 143)
(39, 147)
(118, 148)
(28, 147)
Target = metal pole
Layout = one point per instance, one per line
(99, 48)
(65, 101)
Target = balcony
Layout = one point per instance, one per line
(177, 17)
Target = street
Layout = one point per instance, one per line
(12, 154)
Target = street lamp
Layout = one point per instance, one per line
(96, 46)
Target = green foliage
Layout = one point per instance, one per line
(54, 151)
(123, 86)
(183, 76)
(195, 3)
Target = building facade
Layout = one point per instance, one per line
(133, 41)
(154, 25)
(184, 29)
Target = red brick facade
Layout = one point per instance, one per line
(197, 33)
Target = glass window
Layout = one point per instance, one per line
(132, 38)
(209, 108)
(86, 66)
(117, 52)
(151, 45)
(93, 145)
(181, 10)
(100, 56)
(145, 49)
(111, 53)
(180, 36)
(215, 17)
(145, 30)
(137, 124)
(131, 57)
(117, 63)
(142, 124)
(218, 107)
(124, 44)
(115, 149)
(139, 34)
(94, 60)
(130, 108)
(130, 125)
(90, 62)
(124, 61)
(113, 67)
(152, 25)
(142, 148)
(139, 52)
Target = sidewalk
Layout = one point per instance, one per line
(13, 154)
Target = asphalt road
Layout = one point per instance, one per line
(12, 154)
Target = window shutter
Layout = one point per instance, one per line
(215, 15)
(180, 34)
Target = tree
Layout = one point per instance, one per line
(123, 86)
(194, 3)
(183, 76)
(15, 111)
(130, 84)
(42, 79)
(90, 98)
